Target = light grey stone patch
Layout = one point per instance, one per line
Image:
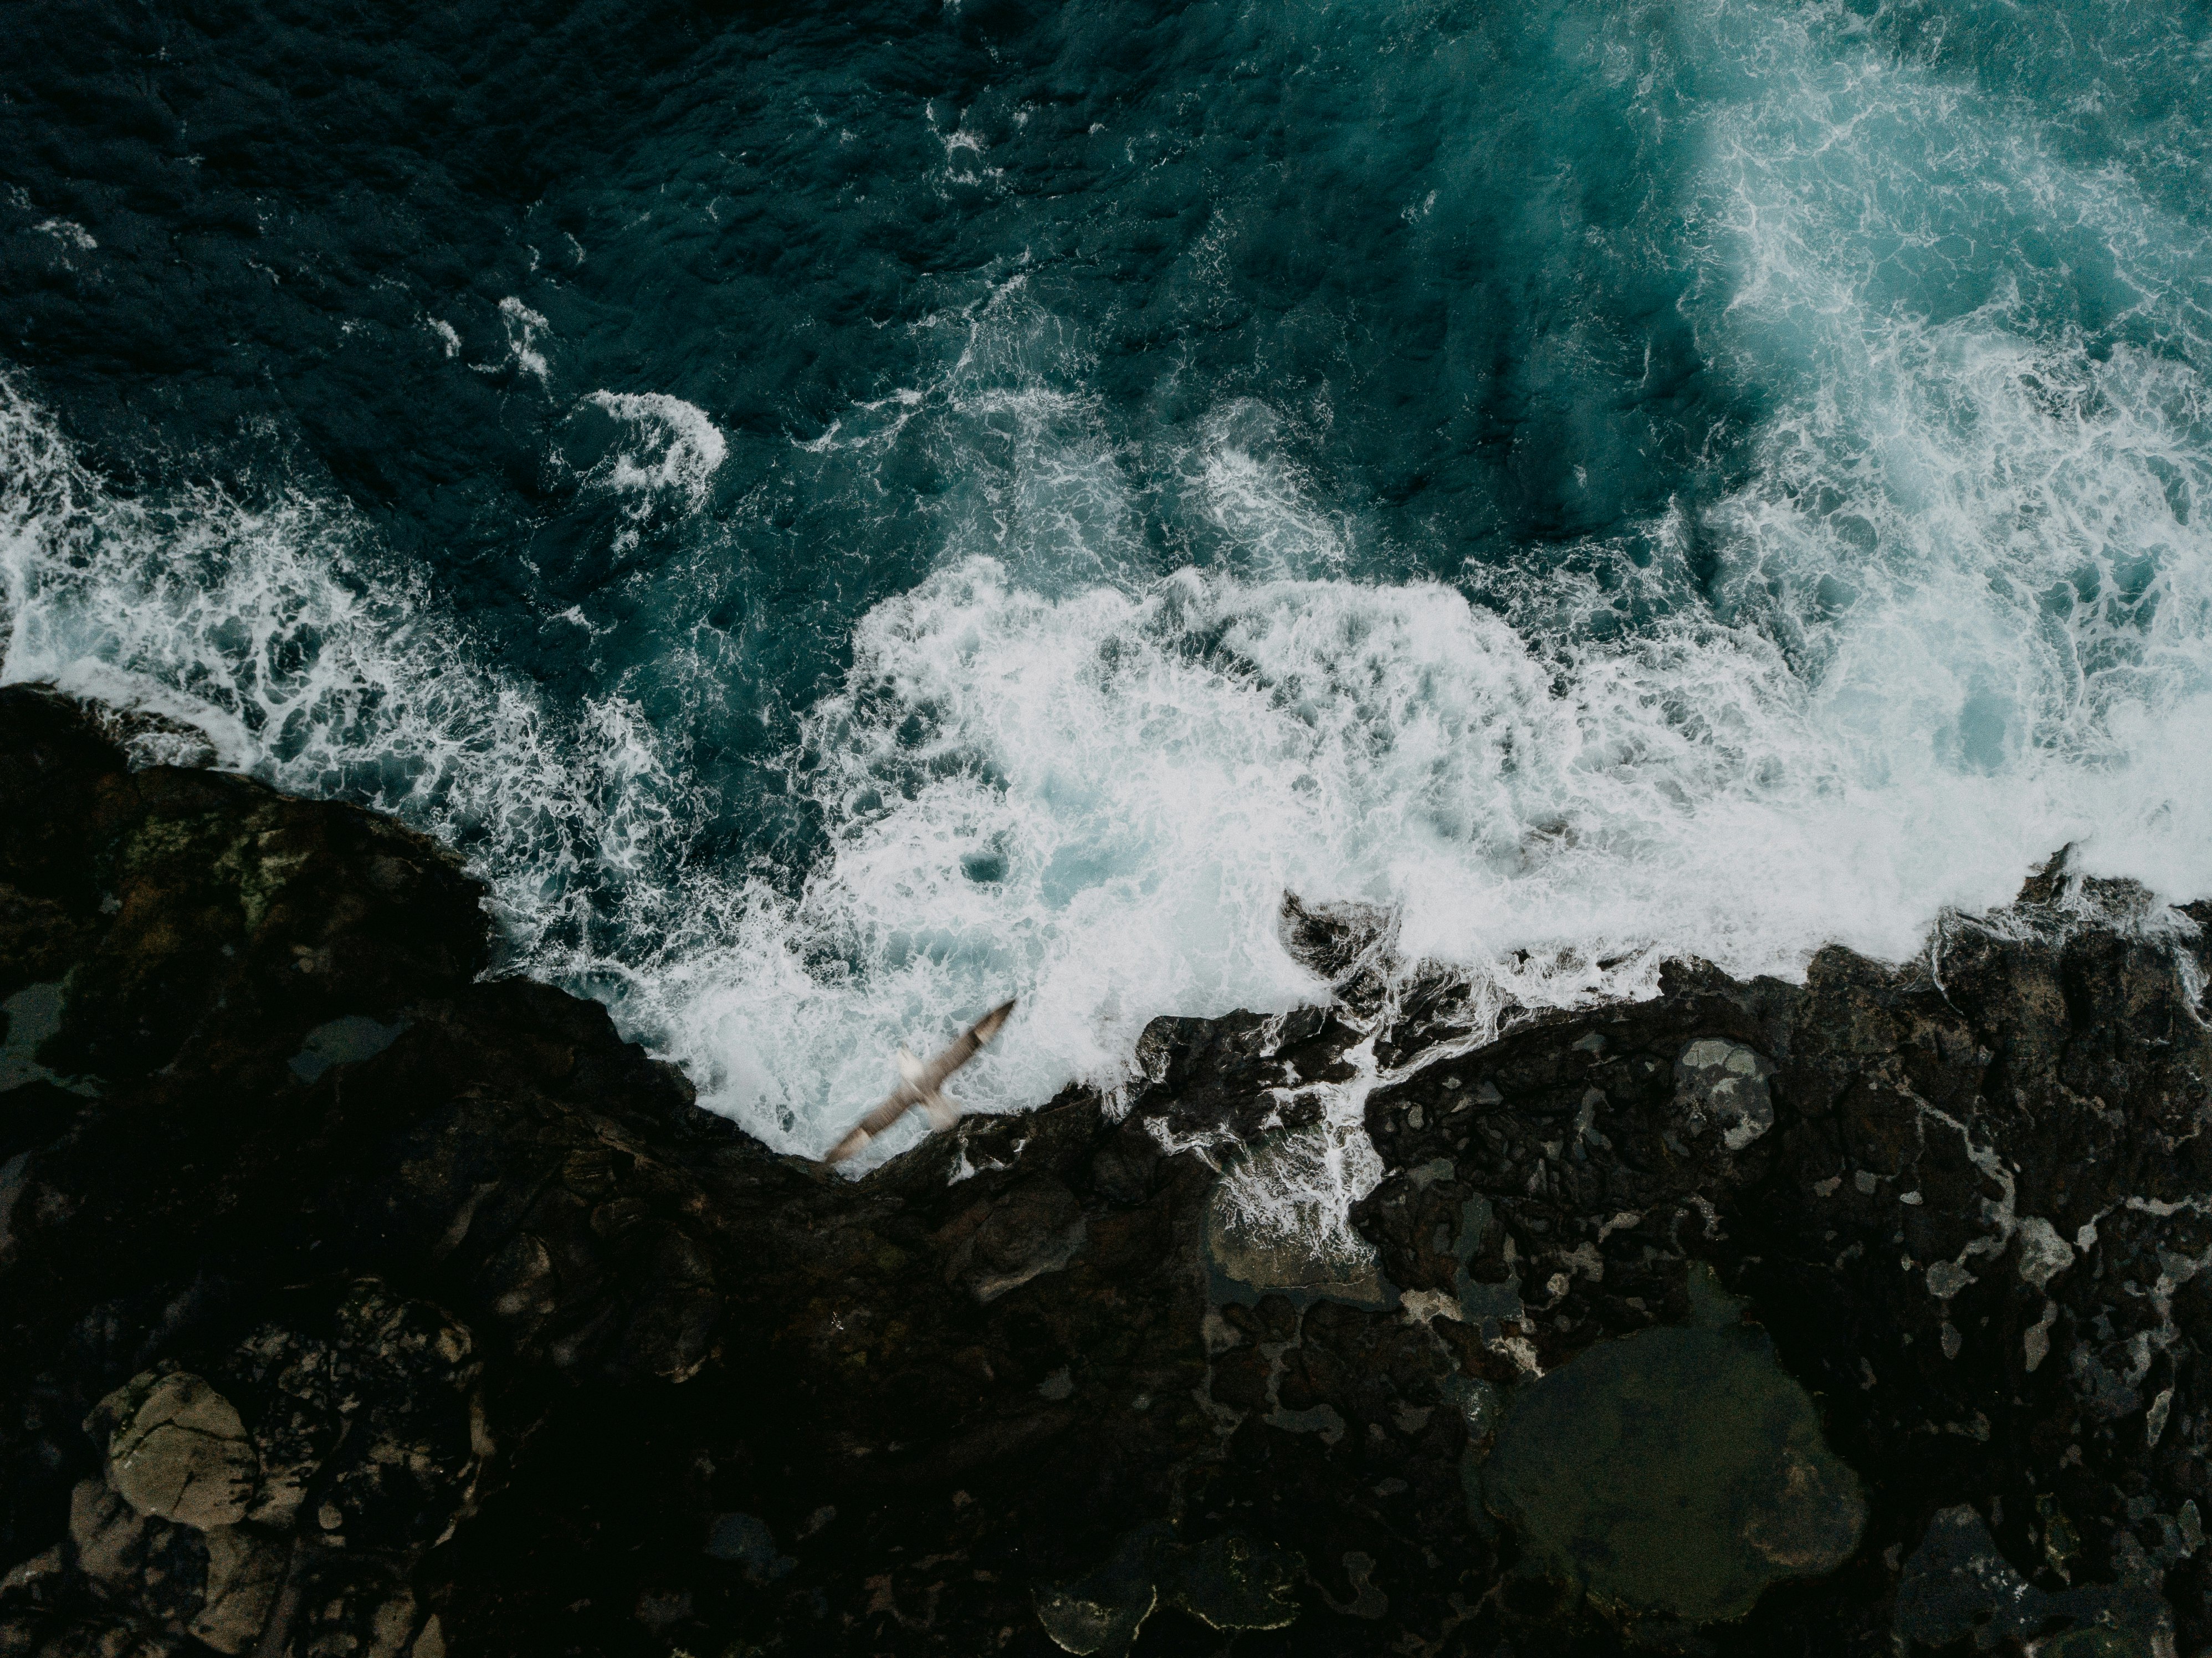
(2043, 1254)
(1520, 1351)
(182, 1453)
(389, 1626)
(1422, 1305)
(1585, 1260)
(1057, 1386)
(1865, 1182)
(1725, 1085)
(102, 1527)
(34, 1013)
(1945, 1278)
(2036, 1342)
(1322, 1419)
(2155, 1418)
(348, 1041)
(158, 1568)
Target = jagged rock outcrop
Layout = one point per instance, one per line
(351, 1304)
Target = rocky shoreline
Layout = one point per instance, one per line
(354, 1305)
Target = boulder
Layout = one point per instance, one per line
(179, 1451)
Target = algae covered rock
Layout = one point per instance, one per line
(1675, 1471)
(1725, 1085)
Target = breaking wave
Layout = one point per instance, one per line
(1939, 602)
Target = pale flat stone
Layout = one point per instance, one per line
(184, 1455)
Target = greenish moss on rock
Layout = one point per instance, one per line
(1676, 1472)
(1229, 1582)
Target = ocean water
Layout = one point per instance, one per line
(845, 514)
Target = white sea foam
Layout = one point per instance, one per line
(69, 232)
(524, 328)
(1138, 779)
(1958, 616)
(1958, 613)
(278, 630)
(672, 452)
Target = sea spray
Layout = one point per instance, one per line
(1713, 483)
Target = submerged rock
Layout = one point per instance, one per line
(355, 1304)
(1675, 1471)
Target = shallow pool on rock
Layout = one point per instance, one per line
(1674, 1472)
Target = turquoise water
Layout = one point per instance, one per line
(845, 516)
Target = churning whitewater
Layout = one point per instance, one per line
(1715, 479)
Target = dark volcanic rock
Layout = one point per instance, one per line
(353, 1305)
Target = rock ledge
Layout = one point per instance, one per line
(355, 1305)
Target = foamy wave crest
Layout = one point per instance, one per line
(672, 452)
(1953, 610)
(308, 661)
(1955, 618)
(1099, 801)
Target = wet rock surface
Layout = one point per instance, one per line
(355, 1304)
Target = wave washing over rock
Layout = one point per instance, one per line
(981, 500)
(1478, 610)
(355, 1303)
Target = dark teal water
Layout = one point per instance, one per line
(848, 513)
